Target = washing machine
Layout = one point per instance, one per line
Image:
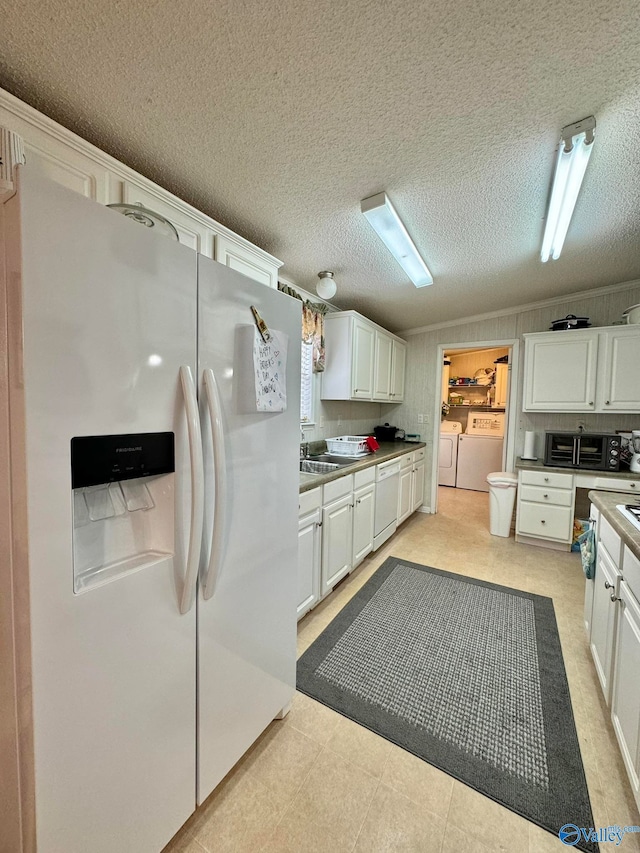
(448, 452)
(480, 450)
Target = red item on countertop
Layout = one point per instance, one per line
(372, 444)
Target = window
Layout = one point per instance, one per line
(306, 384)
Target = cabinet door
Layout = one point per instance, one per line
(64, 165)
(417, 491)
(337, 531)
(398, 359)
(619, 385)
(243, 259)
(625, 701)
(382, 367)
(560, 372)
(362, 356)
(603, 621)
(404, 494)
(191, 231)
(502, 385)
(363, 506)
(308, 562)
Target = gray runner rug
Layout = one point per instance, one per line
(465, 674)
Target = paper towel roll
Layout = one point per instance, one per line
(529, 451)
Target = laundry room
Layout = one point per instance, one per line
(475, 393)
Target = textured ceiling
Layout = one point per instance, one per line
(277, 118)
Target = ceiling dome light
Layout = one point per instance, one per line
(326, 287)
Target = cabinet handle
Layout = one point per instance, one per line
(608, 585)
(591, 403)
(613, 597)
(543, 521)
(318, 524)
(633, 485)
(359, 501)
(607, 403)
(546, 479)
(545, 496)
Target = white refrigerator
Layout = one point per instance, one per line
(151, 510)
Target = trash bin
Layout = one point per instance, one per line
(502, 494)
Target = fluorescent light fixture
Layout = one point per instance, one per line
(388, 226)
(575, 148)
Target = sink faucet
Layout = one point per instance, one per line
(304, 447)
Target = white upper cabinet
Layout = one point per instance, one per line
(363, 361)
(560, 371)
(191, 231)
(619, 378)
(244, 259)
(591, 370)
(382, 368)
(398, 361)
(76, 164)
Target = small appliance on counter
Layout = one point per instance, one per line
(593, 451)
(634, 443)
(386, 432)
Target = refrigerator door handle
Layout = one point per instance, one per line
(197, 489)
(214, 408)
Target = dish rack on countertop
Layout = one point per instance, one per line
(348, 445)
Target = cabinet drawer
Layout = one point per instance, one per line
(308, 501)
(406, 461)
(612, 484)
(418, 454)
(337, 488)
(611, 541)
(631, 571)
(538, 494)
(363, 478)
(546, 522)
(546, 478)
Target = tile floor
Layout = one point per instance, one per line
(318, 782)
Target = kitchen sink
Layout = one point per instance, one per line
(328, 458)
(315, 466)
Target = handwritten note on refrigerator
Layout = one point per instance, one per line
(269, 364)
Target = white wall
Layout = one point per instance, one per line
(423, 369)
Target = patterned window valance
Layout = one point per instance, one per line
(312, 325)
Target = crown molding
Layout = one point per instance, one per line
(521, 309)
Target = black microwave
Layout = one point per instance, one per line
(594, 451)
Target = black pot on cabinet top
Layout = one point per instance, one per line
(385, 433)
(570, 322)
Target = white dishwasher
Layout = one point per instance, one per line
(386, 512)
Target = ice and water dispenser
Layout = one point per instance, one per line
(123, 504)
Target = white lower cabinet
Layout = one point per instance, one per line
(625, 702)
(603, 619)
(336, 527)
(309, 545)
(405, 506)
(417, 480)
(614, 637)
(363, 514)
(545, 508)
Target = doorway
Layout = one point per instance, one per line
(474, 426)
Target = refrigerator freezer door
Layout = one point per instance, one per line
(247, 629)
(109, 314)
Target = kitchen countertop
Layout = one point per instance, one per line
(538, 465)
(388, 450)
(606, 502)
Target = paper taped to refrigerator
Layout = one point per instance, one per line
(270, 369)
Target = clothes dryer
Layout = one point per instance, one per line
(480, 450)
(448, 452)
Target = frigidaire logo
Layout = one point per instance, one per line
(127, 449)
